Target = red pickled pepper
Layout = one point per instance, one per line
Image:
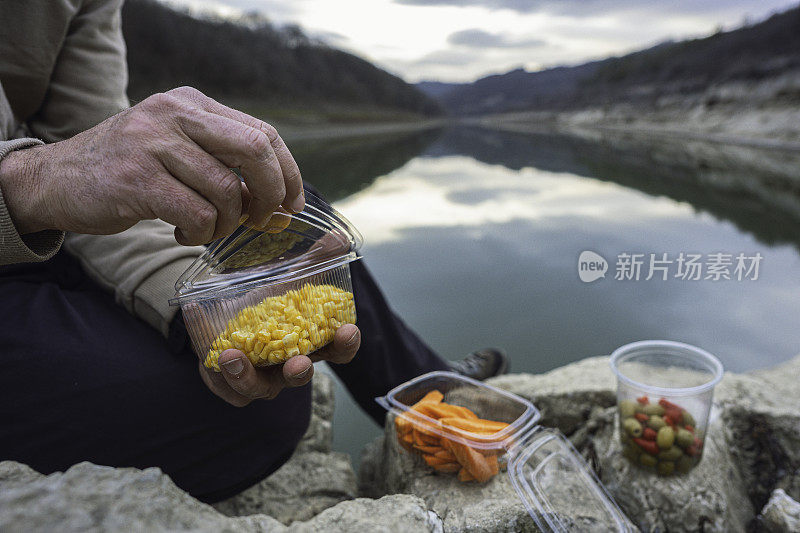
(649, 434)
(641, 417)
(644, 400)
(647, 445)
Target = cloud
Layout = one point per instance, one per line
(477, 38)
(452, 58)
(586, 8)
(522, 6)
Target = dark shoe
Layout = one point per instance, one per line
(482, 364)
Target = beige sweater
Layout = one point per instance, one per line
(63, 70)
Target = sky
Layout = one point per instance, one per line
(463, 40)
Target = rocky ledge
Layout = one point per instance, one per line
(749, 478)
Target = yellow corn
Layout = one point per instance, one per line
(279, 327)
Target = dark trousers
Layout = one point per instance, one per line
(83, 380)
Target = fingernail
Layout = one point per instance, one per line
(298, 203)
(352, 339)
(304, 373)
(234, 367)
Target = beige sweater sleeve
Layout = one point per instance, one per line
(139, 265)
(87, 85)
(16, 248)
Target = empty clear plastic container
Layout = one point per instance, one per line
(273, 294)
(664, 394)
(547, 473)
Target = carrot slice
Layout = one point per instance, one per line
(475, 463)
(464, 475)
(403, 443)
(494, 466)
(447, 455)
(433, 460)
(447, 467)
(433, 396)
(433, 450)
(408, 438)
(475, 426)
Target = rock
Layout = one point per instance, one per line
(712, 497)
(88, 497)
(397, 513)
(781, 514)
(565, 396)
(307, 484)
(319, 436)
(311, 481)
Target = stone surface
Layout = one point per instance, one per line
(712, 497)
(398, 513)
(307, 484)
(88, 497)
(565, 396)
(314, 479)
(751, 462)
(781, 514)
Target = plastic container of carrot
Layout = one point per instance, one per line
(476, 433)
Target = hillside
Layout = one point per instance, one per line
(252, 61)
(674, 69)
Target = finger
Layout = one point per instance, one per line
(192, 215)
(213, 180)
(217, 384)
(295, 198)
(298, 371)
(346, 342)
(240, 146)
(243, 377)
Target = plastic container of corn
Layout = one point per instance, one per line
(273, 294)
(482, 431)
(664, 393)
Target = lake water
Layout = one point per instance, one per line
(475, 235)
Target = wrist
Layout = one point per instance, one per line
(22, 180)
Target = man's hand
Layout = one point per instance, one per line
(168, 157)
(240, 382)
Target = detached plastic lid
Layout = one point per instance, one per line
(293, 246)
(559, 490)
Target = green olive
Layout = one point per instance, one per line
(665, 438)
(672, 454)
(684, 438)
(627, 408)
(665, 468)
(653, 409)
(647, 460)
(688, 419)
(632, 427)
(656, 422)
(685, 464)
(631, 452)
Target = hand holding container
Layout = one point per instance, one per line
(273, 294)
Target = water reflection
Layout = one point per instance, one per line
(476, 242)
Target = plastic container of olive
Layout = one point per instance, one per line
(273, 293)
(664, 396)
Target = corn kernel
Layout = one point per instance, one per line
(280, 327)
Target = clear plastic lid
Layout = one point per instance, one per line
(559, 490)
(293, 246)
